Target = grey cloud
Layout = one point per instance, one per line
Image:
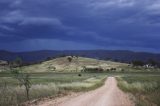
(131, 23)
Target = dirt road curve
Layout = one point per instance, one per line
(107, 95)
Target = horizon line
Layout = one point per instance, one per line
(135, 51)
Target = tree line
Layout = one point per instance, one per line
(150, 62)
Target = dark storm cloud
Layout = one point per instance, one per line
(105, 23)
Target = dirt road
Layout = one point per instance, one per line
(107, 95)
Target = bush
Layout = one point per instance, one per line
(137, 63)
(122, 70)
(113, 69)
(51, 68)
(93, 70)
(79, 75)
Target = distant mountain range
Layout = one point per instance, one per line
(116, 55)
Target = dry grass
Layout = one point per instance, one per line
(12, 94)
(146, 89)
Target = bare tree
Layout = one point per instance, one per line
(24, 80)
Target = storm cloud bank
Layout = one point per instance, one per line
(80, 24)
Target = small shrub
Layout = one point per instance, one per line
(108, 70)
(79, 75)
(51, 68)
(122, 70)
(113, 69)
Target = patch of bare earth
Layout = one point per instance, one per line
(107, 95)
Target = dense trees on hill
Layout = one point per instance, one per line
(97, 69)
(150, 62)
(137, 63)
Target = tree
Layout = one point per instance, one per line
(83, 69)
(77, 63)
(24, 80)
(152, 62)
(69, 59)
(137, 63)
(16, 63)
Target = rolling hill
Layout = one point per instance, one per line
(76, 65)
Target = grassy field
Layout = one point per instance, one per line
(45, 85)
(53, 84)
(145, 88)
(58, 76)
(138, 69)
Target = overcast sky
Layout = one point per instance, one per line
(80, 24)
